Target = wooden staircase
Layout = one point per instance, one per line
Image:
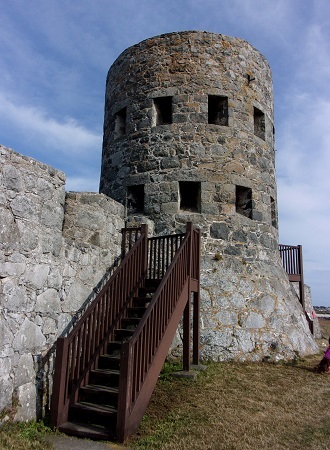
(95, 414)
(107, 367)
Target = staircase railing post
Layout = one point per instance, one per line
(187, 310)
(60, 383)
(196, 329)
(196, 304)
(301, 283)
(144, 232)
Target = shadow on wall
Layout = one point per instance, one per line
(45, 364)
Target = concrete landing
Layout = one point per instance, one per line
(63, 442)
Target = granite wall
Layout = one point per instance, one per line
(54, 249)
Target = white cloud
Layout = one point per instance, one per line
(65, 136)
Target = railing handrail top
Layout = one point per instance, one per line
(166, 236)
(93, 305)
(289, 246)
(131, 228)
(154, 299)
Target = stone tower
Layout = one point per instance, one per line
(189, 136)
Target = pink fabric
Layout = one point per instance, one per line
(327, 353)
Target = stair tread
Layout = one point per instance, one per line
(107, 371)
(85, 430)
(100, 387)
(122, 329)
(107, 355)
(93, 407)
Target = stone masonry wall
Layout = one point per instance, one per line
(54, 248)
(189, 136)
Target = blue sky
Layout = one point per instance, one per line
(54, 58)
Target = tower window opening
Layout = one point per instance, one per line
(259, 123)
(120, 122)
(273, 212)
(190, 196)
(218, 110)
(163, 108)
(135, 198)
(244, 201)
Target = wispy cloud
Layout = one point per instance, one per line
(65, 136)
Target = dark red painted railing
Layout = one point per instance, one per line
(143, 355)
(78, 353)
(161, 251)
(292, 260)
(129, 237)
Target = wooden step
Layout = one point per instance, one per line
(87, 431)
(151, 282)
(109, 362)
(136, 311)
(104, 377)
(146, 292)
(99, 394)
(113, 347)
(130, 323)
(141, 302)
(123, 334)
(93, 414)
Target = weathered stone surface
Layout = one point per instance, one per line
(29, 338)
(6, 389)
(26, 395)
(25, 370)
(48, 303)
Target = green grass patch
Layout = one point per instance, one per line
(24, 436)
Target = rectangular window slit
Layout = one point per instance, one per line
(273, 212)
(218, 110)
(259, 123)
(190, 196)
(244, 201)
(135, 198)
(163, 110)
(120, 123)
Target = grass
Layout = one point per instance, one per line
(240, 406)
(231, 406)
(24, 436)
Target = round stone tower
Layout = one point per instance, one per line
(189, 136)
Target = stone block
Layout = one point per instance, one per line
(24, 372)
(219, 230)
(12, 178)
(48, 303)
(26, 409)
(6, 389)
(29, 338)
(36, 276)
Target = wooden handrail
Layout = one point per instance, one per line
(143, 355)
(78, 353)
(292, 260)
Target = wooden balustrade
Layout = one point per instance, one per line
(143, 355)
(77, 353)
